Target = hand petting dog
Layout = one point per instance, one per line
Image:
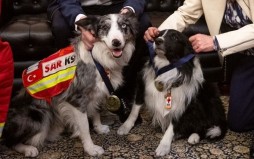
(199, 42)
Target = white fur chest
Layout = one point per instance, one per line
(114, 73)
(181, 96)
(156, 100)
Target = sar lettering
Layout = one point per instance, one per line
(53, 66)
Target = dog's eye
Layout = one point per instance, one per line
(104, 27)
(174, 38)
(123, 26)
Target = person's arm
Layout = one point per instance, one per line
(137, 5)
(70, 10)
(235, 41)
(187, 14)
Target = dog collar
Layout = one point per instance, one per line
(52, 75)
(168, 67)
(171, 66)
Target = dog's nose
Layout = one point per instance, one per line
(158, 41)
(116, 43)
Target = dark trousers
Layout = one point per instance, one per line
(241, 103)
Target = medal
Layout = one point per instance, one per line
(159, 86)
(168, 101)
(113, 103)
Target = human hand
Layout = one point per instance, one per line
(151, 33)
(125, 10)
(202, 43)
(87, 38)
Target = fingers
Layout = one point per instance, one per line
(88, 39)
(151, 33)
(202, 43)
(194, 42)
(124, 11)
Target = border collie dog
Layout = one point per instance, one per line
(174, 90)
(32, 121)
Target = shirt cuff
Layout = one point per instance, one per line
(129, 7)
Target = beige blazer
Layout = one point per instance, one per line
(213, 10)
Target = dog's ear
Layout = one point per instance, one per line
(133, 21)
(89, 23)
(184, 46)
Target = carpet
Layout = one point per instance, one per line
(141, 143)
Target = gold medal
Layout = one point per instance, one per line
(159, 86)
(113, 103)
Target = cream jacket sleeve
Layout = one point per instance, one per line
(235, 41)
(241, 39)
(187, 14)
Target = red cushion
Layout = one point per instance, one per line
(6, 78)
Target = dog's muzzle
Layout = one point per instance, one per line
(117, 50)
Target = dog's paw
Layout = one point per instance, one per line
(124, 129)
(162, 149)
(53, 138)
(213, 132)
(102, 129)
(27, 150)
(31, 152)
(94, 150)
(193, 139)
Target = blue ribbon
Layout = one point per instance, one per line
(168, 67)
(107, 81)
(104, 76)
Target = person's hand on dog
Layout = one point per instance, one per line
(151, 33)
(87, 38)
(125, 10)
(202, 43)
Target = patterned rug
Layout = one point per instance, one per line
(141, 143)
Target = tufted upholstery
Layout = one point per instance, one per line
(25, 26)
(163, 5)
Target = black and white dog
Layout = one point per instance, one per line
(33, 121)
(173, 88)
